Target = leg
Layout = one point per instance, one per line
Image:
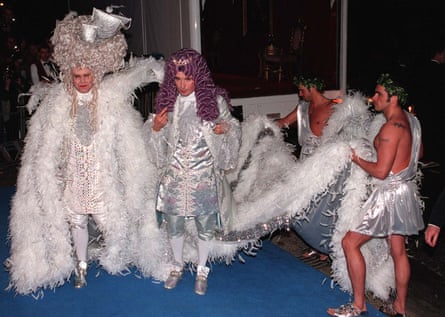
(205, 226)
(402, 270)
(351, 244)
(206, 230)
(175, 231)
(355, 261)
(79, 231)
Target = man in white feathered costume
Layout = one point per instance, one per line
(85, 158)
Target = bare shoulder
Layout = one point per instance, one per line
(399, 122)
(396, 124)
(394, 129)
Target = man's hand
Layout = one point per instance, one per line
(431, 235)
(221, 128)
(160, 120)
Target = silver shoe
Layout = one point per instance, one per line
(80, 280)
(347, 310)
(173, 279)
(201, 280)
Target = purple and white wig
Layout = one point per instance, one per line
(193, 64)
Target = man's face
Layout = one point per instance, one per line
(380, 100)
(184, 84)
(44, 54)
(304, 93)
(83, 79)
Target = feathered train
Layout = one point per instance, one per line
(274, 191)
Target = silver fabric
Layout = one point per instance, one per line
(79, 221)
(175, 225)
(186, 134)
(394, 206)
(307, 140)
(89, 32)
(318, 226)
(188, 186)
(109, 24)
(205, 225)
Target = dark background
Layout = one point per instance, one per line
(383, 34)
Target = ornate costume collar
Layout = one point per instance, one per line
(190, 97)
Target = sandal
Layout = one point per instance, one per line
(347, 310)
(324, 257)
(308, 253)
(388, 310)
(311, 252)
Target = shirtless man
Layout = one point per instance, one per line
(393, 210)
(311, 115)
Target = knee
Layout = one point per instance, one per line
(78, 221)
(347, 243)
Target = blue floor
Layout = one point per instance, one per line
(274, 283)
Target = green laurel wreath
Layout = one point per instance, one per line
(309, 82)
(392, 88)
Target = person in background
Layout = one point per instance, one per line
(394, 208)
(195, 139)
(436, 220)
(427, 84)
(43, 69)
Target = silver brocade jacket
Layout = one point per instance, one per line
(202, 175)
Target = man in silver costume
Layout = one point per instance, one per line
(195, 139)
(312, 116)
(394, 209)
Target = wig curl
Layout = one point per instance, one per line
(193, 64)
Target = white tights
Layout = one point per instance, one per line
(177, 245)
(79, 232)
(80, 239)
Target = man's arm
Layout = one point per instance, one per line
(288, 119)
(386, 143)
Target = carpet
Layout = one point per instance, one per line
(273, 283)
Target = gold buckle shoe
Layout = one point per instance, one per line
(173, 279)
(201, 280)
(80, 280)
